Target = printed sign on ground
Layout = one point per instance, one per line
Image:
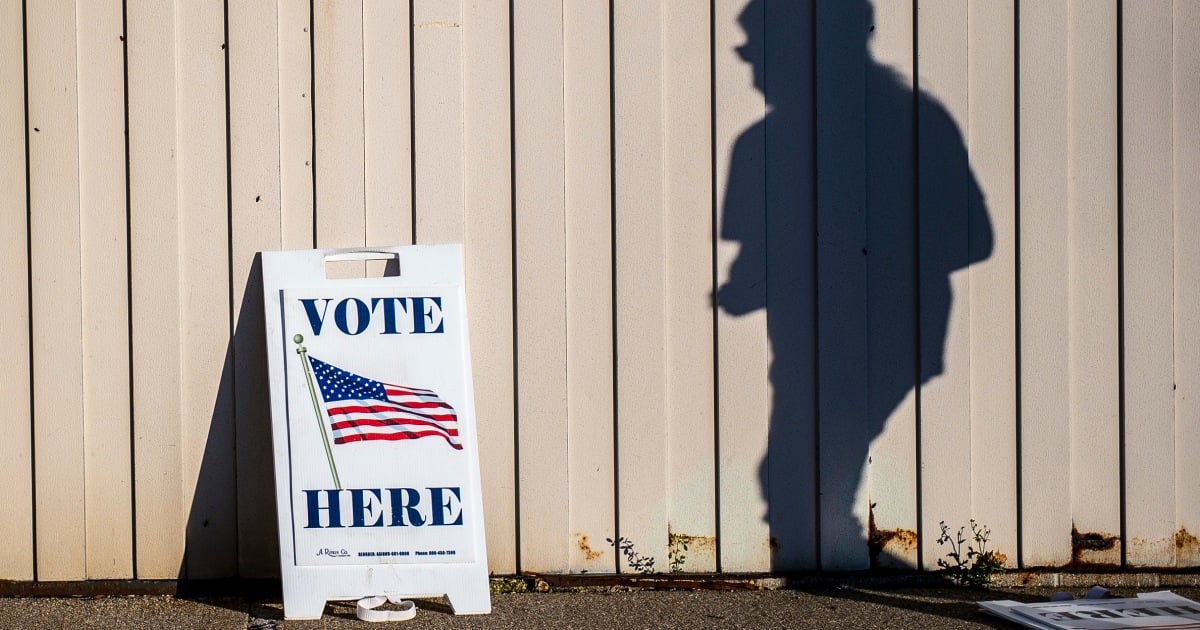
(1163, 609)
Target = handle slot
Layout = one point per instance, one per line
(362, 264)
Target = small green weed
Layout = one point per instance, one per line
(966, 564)
(508, 585)
(677, 545)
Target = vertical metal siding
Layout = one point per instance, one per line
(460, 165)
(157, 271)
(1043, 315)
(788, 283)
(16, 452)
(588, 280)
(489, 262)
(543, 423)
(209, 517)
(944, 180)
(104, 274)
(991, 142)
(742, 348)
(787, 221)
(1147, 245)
(640, 259)
(843, 71)
(270, 188)
(1187, 282)
(687, 280)
(1094, 281)
(892, 466)
(54, 261)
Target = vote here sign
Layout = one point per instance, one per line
(375, 443)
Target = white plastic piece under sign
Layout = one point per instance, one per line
(365, 609)
(373, 421)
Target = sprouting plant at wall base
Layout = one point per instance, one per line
(969, 561)
(677, 545)
(636, 561)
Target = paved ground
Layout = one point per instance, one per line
(821, 603)
(819, 606)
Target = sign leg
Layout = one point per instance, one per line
(470, 601)
(296, 608)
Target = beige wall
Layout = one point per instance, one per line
(982, 301)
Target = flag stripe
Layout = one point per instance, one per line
(421, 404)
(398, 390)
(391, 437)
(362, 409)
(372, 422)
(382, 410)
(371, 433)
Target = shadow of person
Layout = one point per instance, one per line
(852, 203)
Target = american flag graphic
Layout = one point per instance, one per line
(360, 408)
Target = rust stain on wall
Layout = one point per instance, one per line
(1187, 548)
(1094, 550)
(899, 543)
(691, 552)
(695, 544)
(1185, 541)
(588, 553)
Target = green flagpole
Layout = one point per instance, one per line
(312, 391)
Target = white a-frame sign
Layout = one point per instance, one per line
(373, 420)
